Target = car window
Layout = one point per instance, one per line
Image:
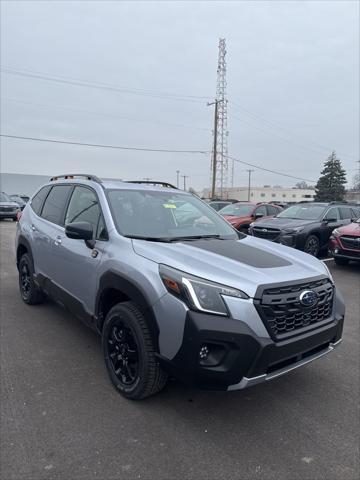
(162, 214)
(237, 210)
(356, 212)
(303, 212)
(332, 213)
(55, 203)
(261, 209)
(38, 200)
(346, 213)
(84, 207)
(272, 210)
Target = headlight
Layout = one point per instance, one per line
(328, 272)
(335, 233)
(252, 224)
(293, 230)
(197, 293)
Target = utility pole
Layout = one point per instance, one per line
(249, 185)
(214, 159)
(177, 178)
(185, 177)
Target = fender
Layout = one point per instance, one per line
(129, 291)
(23, 242)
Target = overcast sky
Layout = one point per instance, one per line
(293, 73)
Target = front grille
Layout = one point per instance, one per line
(267, 233)
(7, 209)
(284, 315)
(352, 243)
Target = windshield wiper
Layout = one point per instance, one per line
(194, 237)
(150, 239)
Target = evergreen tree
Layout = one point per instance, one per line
(331, 185)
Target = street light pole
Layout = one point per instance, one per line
(249, 185)
(185, 177)
(177, 178)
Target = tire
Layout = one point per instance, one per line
(341, 261)
(29, 291)
(312, 245)
(129, 353)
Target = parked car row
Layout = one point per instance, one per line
(313, 227)
(12, 205)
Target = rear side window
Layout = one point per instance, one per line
(53, 209)
(345, 213)
(84, 207)
(38, 200)
(272, 210)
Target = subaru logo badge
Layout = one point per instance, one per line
(308, 298)
(264, 230)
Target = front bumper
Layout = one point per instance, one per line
(10, 214)
(241, 358)
(336, 250)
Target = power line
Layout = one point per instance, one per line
(109, 115)
(97, 145)
(268, 170)
(319, 148)
(104, 86)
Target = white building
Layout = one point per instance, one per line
(267, 194)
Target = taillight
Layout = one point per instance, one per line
(18, 216)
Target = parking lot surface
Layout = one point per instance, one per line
(62, 419)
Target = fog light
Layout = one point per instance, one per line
(336, 250)
(204, 352)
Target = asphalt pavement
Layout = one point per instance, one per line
(62, 419)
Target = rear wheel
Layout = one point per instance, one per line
(341, 261)
(30, 292)
(129, 352)
(312, 245)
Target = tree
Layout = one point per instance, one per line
(331, 185)
(356, 182)
(303, 185)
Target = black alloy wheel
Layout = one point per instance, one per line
(123, 353)
(29, 291)
(312, 245)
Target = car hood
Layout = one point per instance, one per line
(352, 229)
(244, 264)
(283, 223)
(234, 219)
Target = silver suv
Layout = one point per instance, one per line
(171, 287)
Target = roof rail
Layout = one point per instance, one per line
(341, 202)
(151, 182)
(71, 176)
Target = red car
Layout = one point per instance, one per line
(241, 214)
(344, 243)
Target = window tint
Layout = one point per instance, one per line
(84, 207)
(38, 199)
(272, 210)
(262, 210)
(332, 213)
(346, 213)
(55, 203)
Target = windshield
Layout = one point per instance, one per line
(17, 199)
(4, 197)
(165, 215)
(237, 210)
(303, 212)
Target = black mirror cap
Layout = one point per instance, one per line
(258, 215)
(79, 231)
(330, 220)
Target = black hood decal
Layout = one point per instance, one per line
(241, 252)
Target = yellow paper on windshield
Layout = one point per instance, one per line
(169, 205)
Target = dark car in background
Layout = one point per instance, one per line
(306, 226)
(18, 200)
(8, 208)
(241, 214)
(219, 204)
(344, 243)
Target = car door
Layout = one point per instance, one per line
(260, 212)
(47, 227)
(77, 263)
(331, 221)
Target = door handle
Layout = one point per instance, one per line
(57, 240)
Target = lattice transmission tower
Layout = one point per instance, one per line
(219, 160)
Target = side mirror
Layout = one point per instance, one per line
(258, 215)
(79, 231)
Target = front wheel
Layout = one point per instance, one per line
(130, 354)
(312, 245)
